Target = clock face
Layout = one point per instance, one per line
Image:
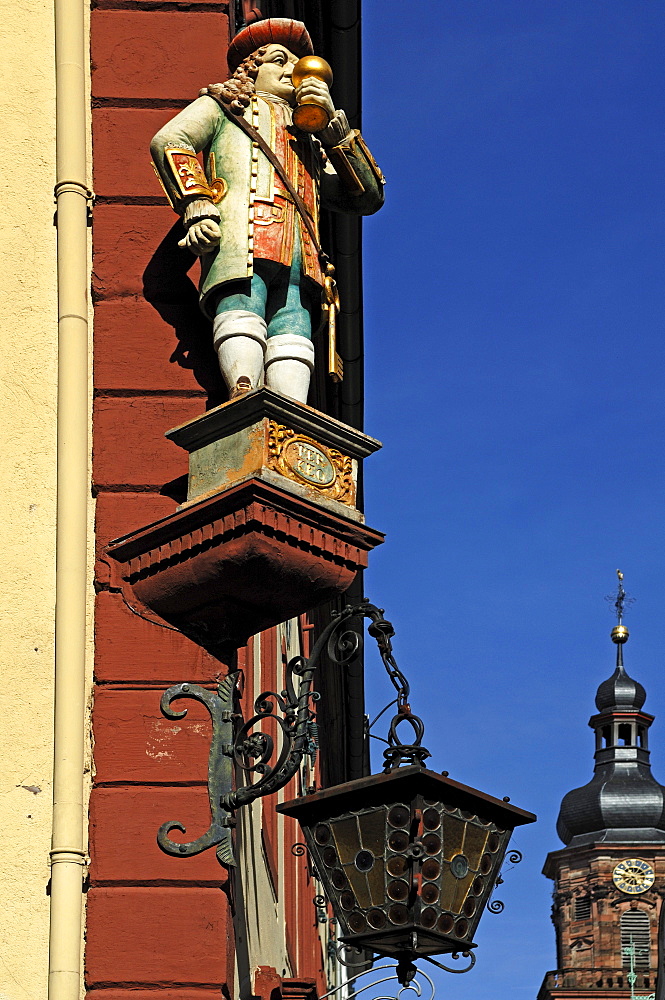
(633, 876)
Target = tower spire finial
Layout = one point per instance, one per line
(621, 602)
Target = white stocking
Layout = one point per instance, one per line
(239, 338)
(289, 364)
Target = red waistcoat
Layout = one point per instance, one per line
(275, 221)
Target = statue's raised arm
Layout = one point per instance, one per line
(252, 211)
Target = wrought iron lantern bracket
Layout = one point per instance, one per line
(239, 747)
(408, 859)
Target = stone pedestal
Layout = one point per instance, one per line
(279, 441)
(269, 529)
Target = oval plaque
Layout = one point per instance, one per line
(309, 463)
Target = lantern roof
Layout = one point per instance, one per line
(404, 783)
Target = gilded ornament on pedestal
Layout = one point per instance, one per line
(304, 460)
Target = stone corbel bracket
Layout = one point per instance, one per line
(240, 561)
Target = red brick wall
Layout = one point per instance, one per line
(153, 921)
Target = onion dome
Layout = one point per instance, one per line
(620, 691)
(623, 803)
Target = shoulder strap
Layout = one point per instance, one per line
(271, 156)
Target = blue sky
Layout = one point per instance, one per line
(514, 304)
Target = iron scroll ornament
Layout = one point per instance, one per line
(497, 905)
(250, 753)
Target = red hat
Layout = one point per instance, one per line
(283, 30)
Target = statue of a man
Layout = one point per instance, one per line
(262, 273)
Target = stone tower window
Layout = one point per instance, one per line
(582, 908)
(636, 930)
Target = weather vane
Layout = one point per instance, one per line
(620, 601)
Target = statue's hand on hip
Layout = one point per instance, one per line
(202, 237)
(201, 219)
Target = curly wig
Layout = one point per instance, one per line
(237, 91)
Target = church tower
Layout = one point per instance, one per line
(609, 879)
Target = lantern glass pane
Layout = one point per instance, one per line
(432, 843)
(474, 844)
(346, 835)
(373, 831)
(399, 816)
(359, 885)
(376, 919)
(430, 893)
(431, 819)
(448, 888)
(463, 886)
(338, 879)
(397, 866)
(398, 840)
(377, 883)
(453, 836)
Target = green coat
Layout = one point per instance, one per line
(203, 126)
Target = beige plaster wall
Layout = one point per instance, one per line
(28, 359)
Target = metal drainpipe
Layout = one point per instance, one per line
(72, 196)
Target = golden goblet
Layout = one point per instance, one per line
(311, 117)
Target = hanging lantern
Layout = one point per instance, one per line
(408, 859)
